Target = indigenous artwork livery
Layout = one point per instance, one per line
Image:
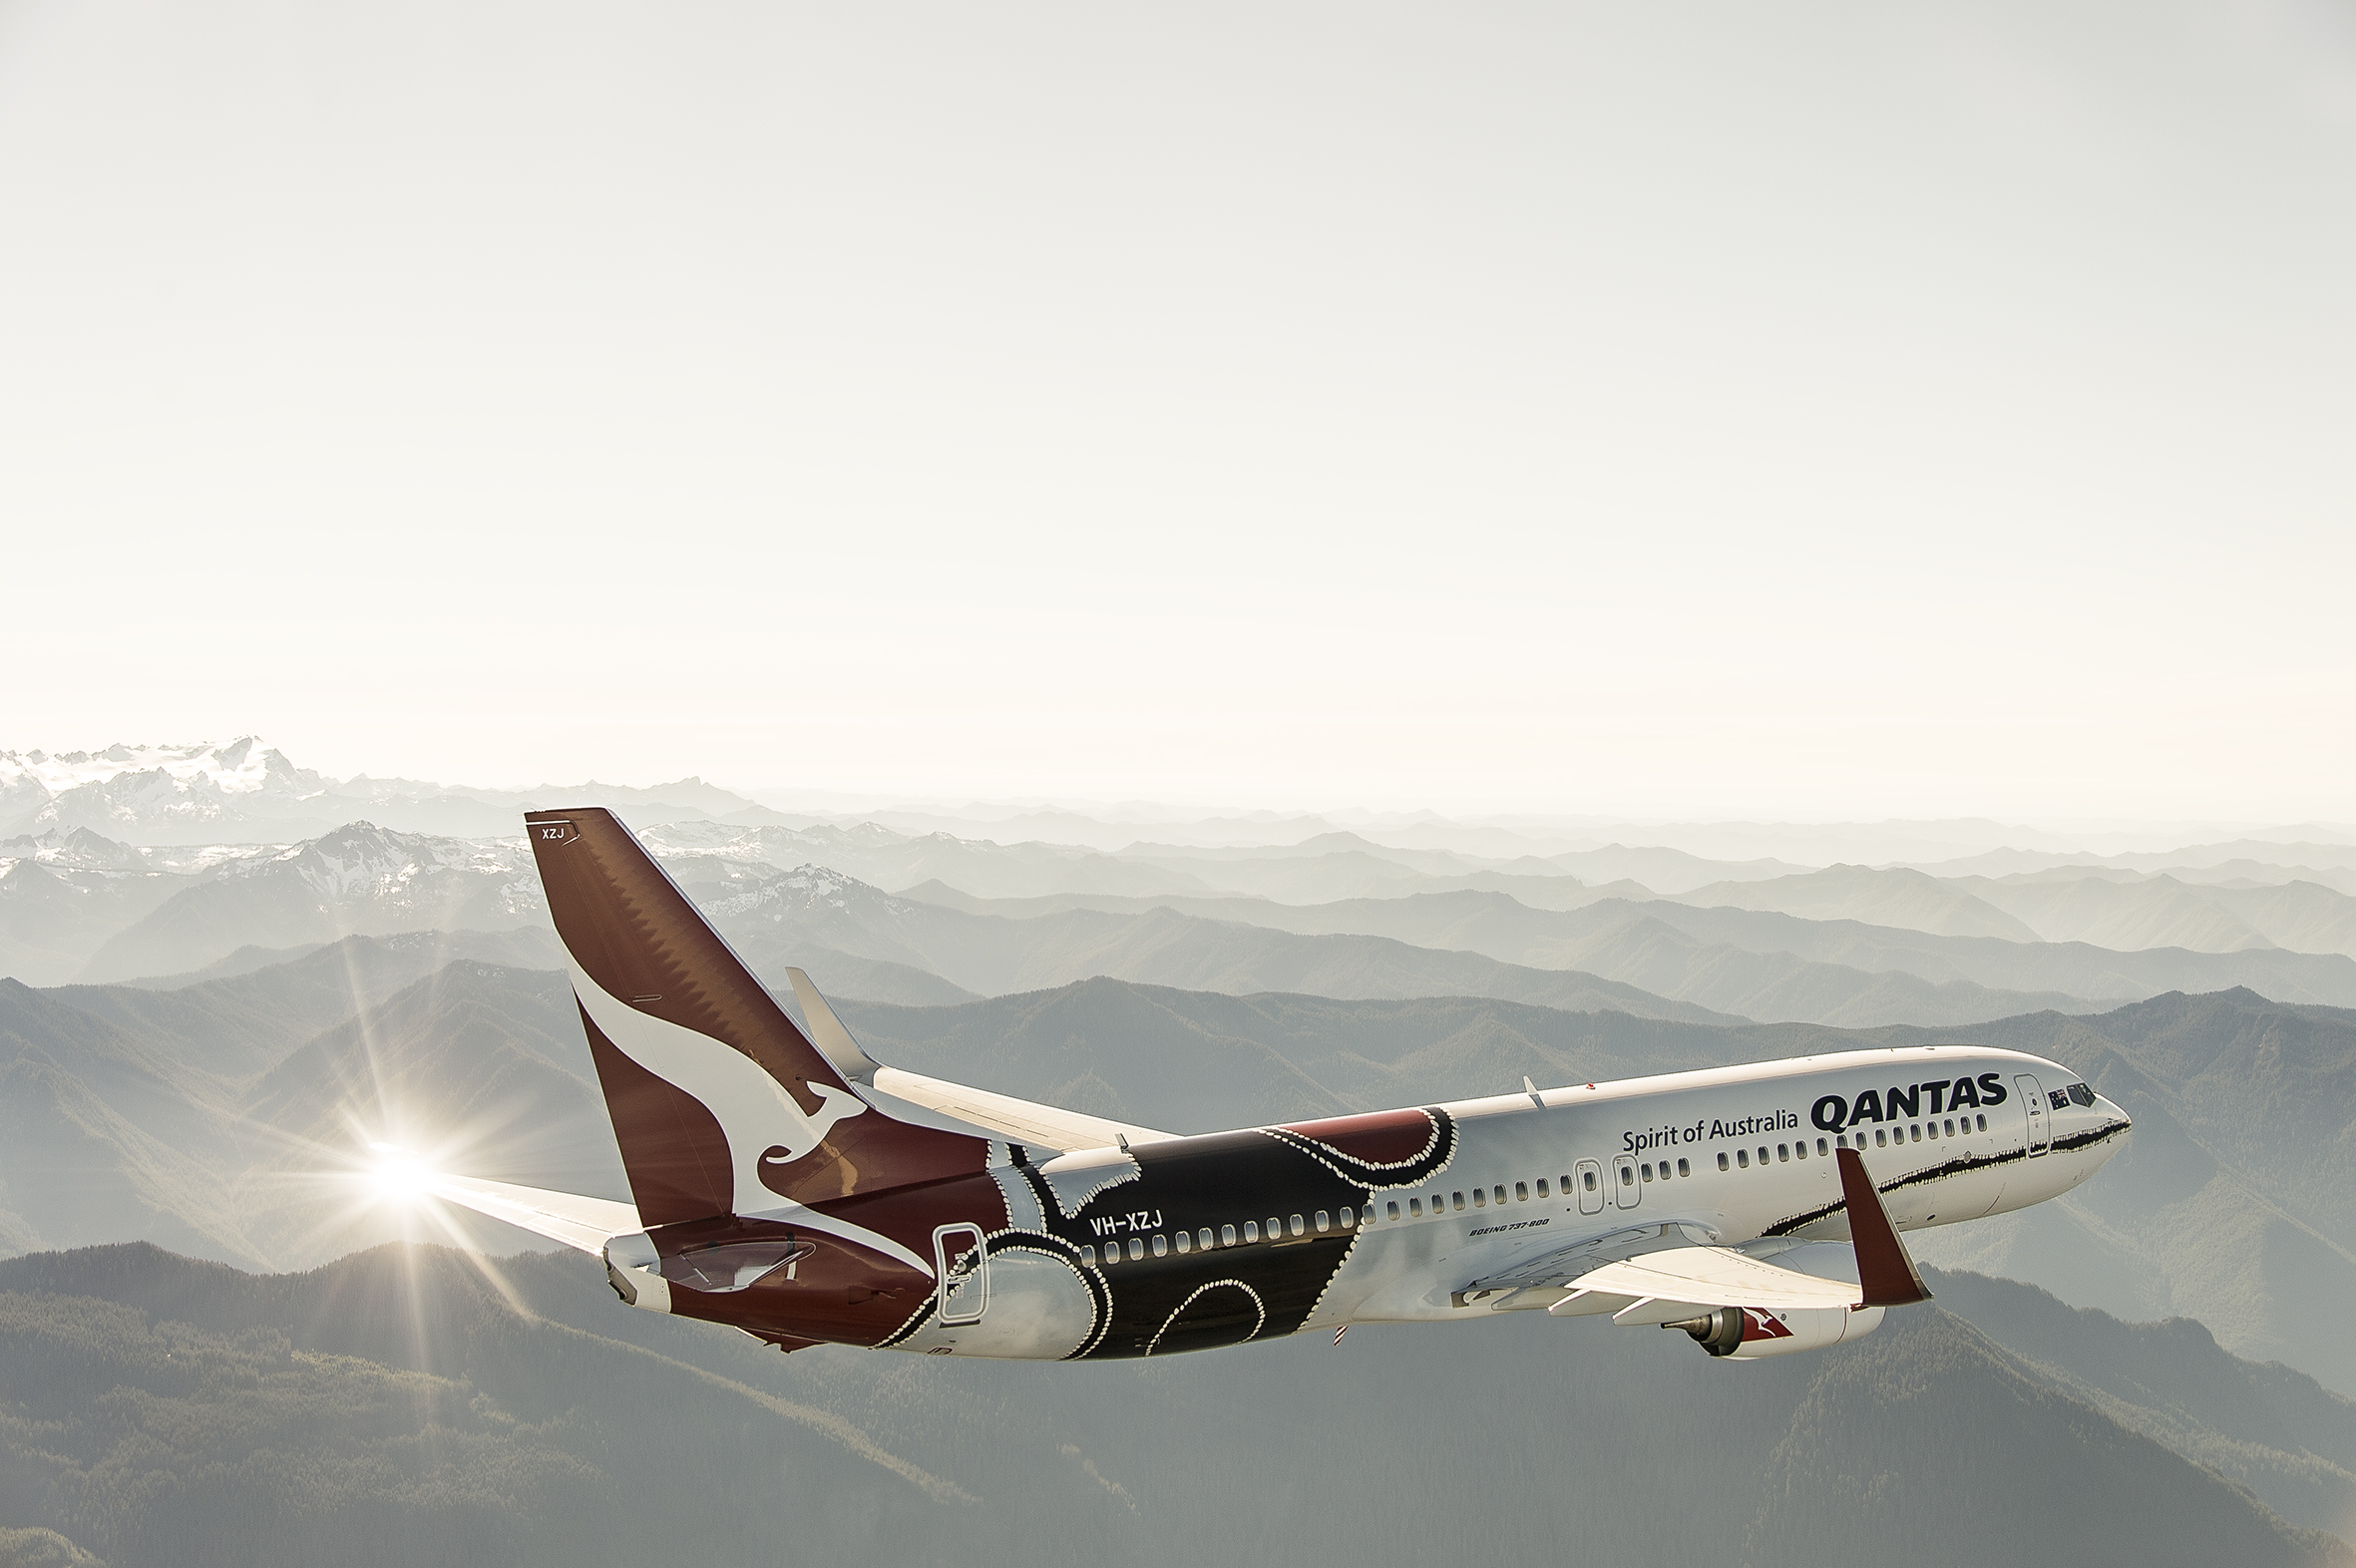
(789, 1185)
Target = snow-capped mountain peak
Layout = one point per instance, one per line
(809, 887)
(245, 766)
(361, 859)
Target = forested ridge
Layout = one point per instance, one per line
(405, 1407)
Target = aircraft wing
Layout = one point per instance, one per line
(898, 1094)
(1710, 1277)
(1661, 1273)
(585, 1224)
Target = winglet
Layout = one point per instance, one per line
(827, 1033)
(1886, 1272)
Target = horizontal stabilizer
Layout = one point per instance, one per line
(1003, 1117)
(1017, 1121)
(584, 1224)
(1712, 1276)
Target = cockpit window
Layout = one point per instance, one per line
(2082, 1095)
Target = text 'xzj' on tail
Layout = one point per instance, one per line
(720, 1103)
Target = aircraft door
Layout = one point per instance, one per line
(961, 1265)
(2041, 1126)
(1625, 1189)
(1590, 1187)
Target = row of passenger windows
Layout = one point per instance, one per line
(1915, 1132)
(1883, 1137)
(1229, 1236)
(1483, 1197)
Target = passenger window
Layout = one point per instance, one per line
(1648, 1170)
(1983, 1124)
(1497, 1193)
(1683, 1169)
(1457, 1198)
(1918, 1135)
(1350, 1216)
(1414, 1207)
(1226, 1235)
(1391, 1209)
(1627, 1175)
(1521, 1192)
(1299, 1228)
(1161, 1246)
(1541, 1186)
(1137, 1246)
(1251, 1230)
(1821, 1149)
(1183, 1240)
(1479, 1198)
(1323, 1224)
(1951, 1129)
(1721, 1159)
(1202, 1238)
(1878, 1140)
(1762, 1154)
(1783, 1153)
(1276, 1227)
(1089, 1253)
(1743, 1159)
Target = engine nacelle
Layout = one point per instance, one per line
(1746, 1333)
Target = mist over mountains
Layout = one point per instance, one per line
(399, 1407)
(1331, 912)
(229, 974)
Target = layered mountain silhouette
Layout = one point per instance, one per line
(223, 1116)
(231, 975)
(1748, 963)
(405, 1404)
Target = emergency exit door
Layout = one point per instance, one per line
(1590, 1187)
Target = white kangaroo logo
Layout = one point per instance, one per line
(753, 1110)
(838, 1106)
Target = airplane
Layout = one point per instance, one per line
(789, 1185)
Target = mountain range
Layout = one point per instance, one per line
(409, 1405)
(246, 793)
(220, 1116)
(232, 976)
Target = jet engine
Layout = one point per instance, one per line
(1749, 1333)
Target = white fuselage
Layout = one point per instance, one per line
(1737, 1153)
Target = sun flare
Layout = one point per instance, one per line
(396, 1176)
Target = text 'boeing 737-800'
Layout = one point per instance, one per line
(788, 1185)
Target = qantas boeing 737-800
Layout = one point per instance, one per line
(788, 1185)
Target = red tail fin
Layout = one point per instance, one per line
(720, 1105)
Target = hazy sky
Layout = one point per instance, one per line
(1792, 409)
